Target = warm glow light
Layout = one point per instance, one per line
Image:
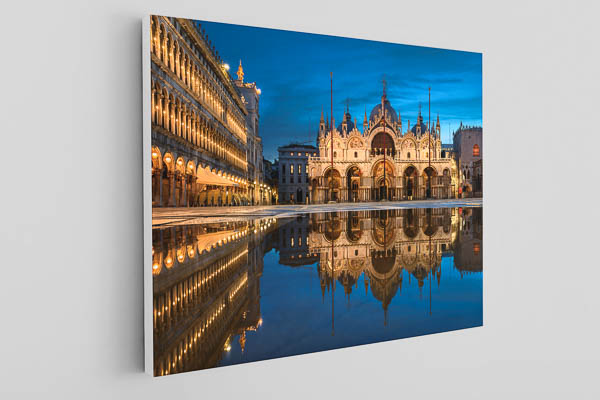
(258, 91)
(226, 66)
(154, 154)
(168, 159)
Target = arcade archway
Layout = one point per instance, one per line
(410, 184)
(383, 181)
(352, 183)
(333, 184)
(429, 181)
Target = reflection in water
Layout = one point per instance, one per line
(208, 296)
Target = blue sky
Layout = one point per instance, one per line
(292, 70)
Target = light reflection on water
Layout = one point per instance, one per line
(229, 293)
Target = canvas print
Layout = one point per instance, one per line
(305, 192)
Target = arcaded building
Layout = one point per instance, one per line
(257, 189)
(384, 161)
(199, 134)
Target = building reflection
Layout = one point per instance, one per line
(379, 246)
(469, 241)
(206, 290)
(207, 276)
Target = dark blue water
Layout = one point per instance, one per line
(395, 274)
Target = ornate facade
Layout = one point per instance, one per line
(381, 162)
(199, 132)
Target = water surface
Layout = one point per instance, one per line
(230, 293)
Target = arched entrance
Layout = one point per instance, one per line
(383, 181)
(333, 183)
(446, 182)
(410, 183)
(429, 182)
(352, 183)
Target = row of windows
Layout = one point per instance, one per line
(185, 121)
(175, 58)
(306, 180)
(299, 154)
(283, 169)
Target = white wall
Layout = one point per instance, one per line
(71, 222)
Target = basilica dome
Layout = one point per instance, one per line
(421, 124)
(390, 114)
(349, 123)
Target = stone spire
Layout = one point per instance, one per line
(322, 127)
(399, 122)
(437, 125)
(240, 72)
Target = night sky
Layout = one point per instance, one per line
(292, 70)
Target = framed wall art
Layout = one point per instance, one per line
(305, 192)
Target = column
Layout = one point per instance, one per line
(172, 178)
(185, 199)
(160, 189)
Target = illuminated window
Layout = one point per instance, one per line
(291, 242)
(291, 169)
(306, 154)
(476, 247)
(306, 169)
(299, 240)
(475, 150)
(299, 169)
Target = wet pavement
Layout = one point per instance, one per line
(183, 215)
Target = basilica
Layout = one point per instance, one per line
(383, 162)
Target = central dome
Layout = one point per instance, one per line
(390, 114)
